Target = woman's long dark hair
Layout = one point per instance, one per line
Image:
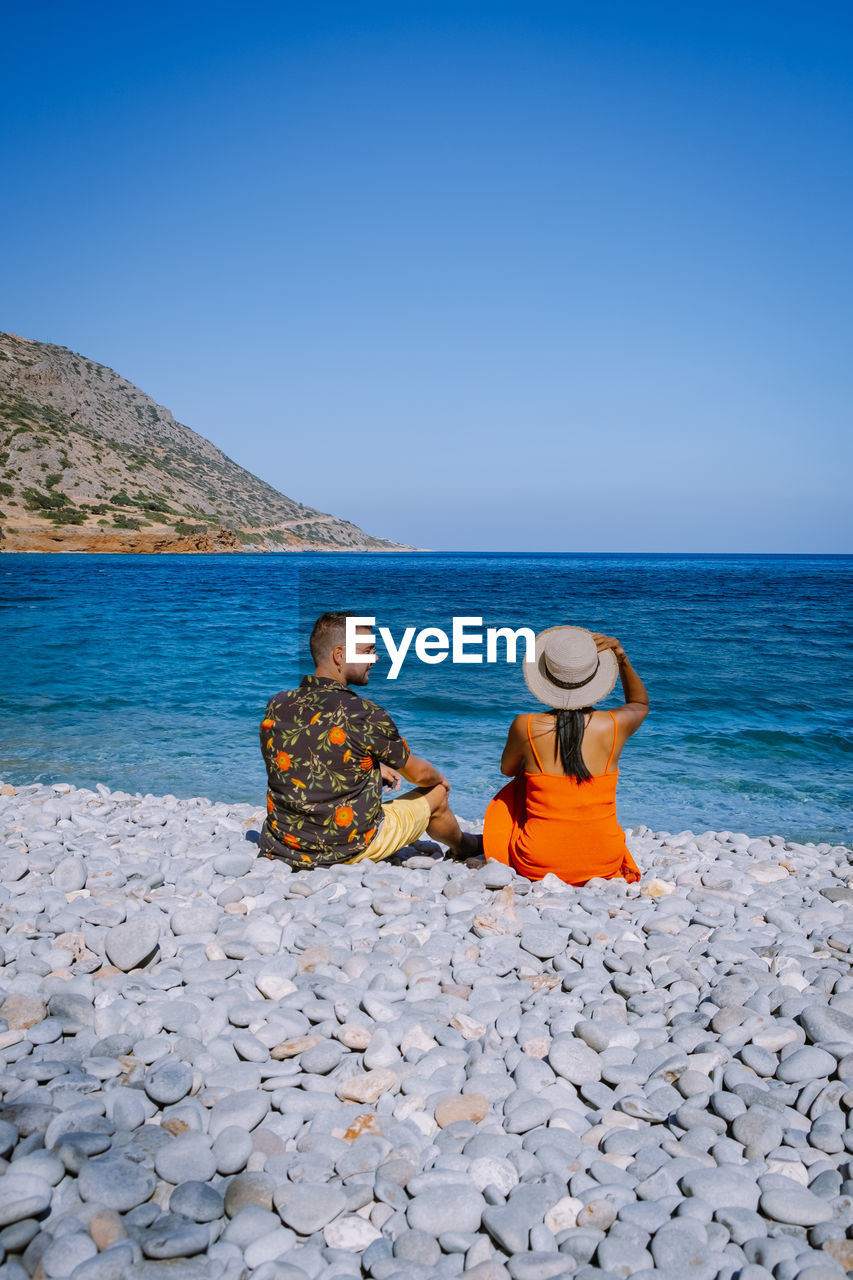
(570, 727)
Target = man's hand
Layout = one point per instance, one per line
(390, 777)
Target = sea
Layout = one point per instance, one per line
(151, 673)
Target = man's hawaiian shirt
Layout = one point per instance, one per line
(322, 745)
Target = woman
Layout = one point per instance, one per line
(559, 813)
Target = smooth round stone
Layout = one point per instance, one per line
(23, 1200)
(450, 1208)
(22, 1011)
(544, 941)
(174, 1237)
(351, 1233)
(248, 1188)
(245, 1109)
(741, 1224)
(249, 1224)
(496, 875)
(196, 1201)
(799, 1208)
(67, 1252)
(727, 1105)
(132, 944)
(250, 1048)
(527, 1116)
(322, 1058)
(127, 1109)
(381, 1052)
(471, 1107)
(494, 1171)
(198, 919)
(168, 1082)
(232, 1149)
(723, 1188)
(827, 1025)
(8, 1138)
(574, 1060)
(262, 1256)
(808, 1063)
(43, 1164)
(16, 1237)
(680, 1246)
(309, 1206)
(187, 1158)
(115, 1182)
(48, 1031)
(368, 1086)
(617, 1256)
(761, 1061)
(233, 864)
(69, 875)
(758, 1128)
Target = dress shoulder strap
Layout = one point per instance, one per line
(613, 746)
(532, 747)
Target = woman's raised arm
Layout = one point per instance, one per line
(636, 708)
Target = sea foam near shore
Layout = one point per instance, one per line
(219, 1068)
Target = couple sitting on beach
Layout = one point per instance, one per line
(329, 753)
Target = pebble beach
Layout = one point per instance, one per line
(212, 1067)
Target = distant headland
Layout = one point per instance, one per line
(88, 462)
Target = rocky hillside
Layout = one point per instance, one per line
(88, 462)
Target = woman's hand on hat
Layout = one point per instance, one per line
(609, 642)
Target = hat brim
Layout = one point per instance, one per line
(542, 686)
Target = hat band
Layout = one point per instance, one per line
(573, 684)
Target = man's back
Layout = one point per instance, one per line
(322, 745)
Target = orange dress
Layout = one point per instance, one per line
(543, 822)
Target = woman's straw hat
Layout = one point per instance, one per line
(568, 670)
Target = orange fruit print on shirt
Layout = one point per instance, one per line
(344, 816)
(337, 736)
(283, 760)
(366, 762)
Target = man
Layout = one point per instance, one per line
(329, 752)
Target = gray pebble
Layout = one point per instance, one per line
(798, 1206)
(168, 1082)
(452, 1208)
(197, 1201)
(132, 944)
(187, 1158)
(308, 1207)
(808, 1063)
(574, 1061)
(115, 1182)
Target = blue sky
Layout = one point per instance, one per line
(542, 276)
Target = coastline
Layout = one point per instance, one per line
(425, 1068)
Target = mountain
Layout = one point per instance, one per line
(88, 462)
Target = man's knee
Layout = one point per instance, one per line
(436, 798)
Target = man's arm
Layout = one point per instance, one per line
(423, 774)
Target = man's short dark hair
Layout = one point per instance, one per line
(329, 630)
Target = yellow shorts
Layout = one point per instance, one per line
(405, 820)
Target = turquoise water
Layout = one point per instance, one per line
(150, 673)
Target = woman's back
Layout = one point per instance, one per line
(570, 827)
(559, 814)
(600, 745)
